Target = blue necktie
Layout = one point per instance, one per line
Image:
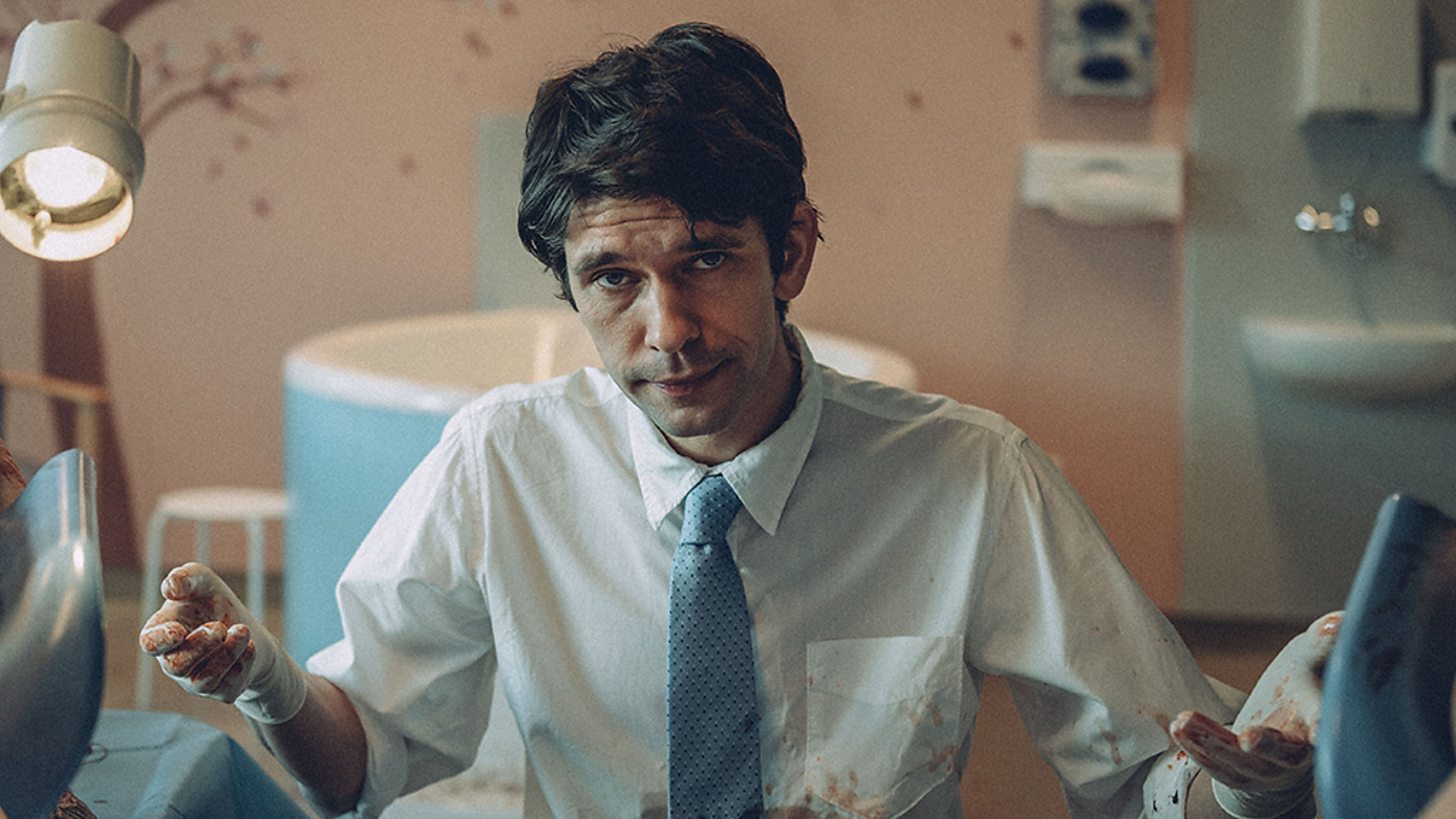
(712, 709)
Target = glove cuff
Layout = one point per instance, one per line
(1165, 790)
(1291, 803)
(277, 693)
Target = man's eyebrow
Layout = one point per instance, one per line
(593, 260)
(712, 239)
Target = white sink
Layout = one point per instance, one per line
(1353, 360)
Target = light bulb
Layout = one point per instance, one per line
(63, 177)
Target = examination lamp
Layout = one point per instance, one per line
(69, 146)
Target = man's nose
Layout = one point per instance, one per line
(672, 321)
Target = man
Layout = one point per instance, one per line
(853, 558)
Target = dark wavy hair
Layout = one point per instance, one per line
(696, 116)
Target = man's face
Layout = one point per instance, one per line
(683, 317)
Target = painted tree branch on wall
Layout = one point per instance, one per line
(230, 76)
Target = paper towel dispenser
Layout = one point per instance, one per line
(1104, 183)
(1360, 59)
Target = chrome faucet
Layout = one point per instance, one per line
(1344, 220)
(1360, 225)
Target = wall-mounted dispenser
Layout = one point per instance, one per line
(1441, 131)
(1104, 183)
(1101, 48)
(1360, 59)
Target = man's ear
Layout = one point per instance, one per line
(799, 247)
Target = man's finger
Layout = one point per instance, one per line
(1324, 631)
(208, 677)
(1329, 625)
(196, 648)
(1278, 747)
(161, 637)
(185, 615)
(187, 581)
(236, 679)
(1221, 753)
(1202, 730)
(1216, 749)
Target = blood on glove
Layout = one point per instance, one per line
(212, 646)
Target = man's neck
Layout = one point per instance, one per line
(710, 452)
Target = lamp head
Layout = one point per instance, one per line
(70, 155)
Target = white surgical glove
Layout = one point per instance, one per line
(211, 645)
(1264, 767)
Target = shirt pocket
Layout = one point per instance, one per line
(883, 720)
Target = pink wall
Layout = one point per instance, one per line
(356, 204)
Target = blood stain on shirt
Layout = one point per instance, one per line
(1112, 744)
(851, 801)
(940, 757)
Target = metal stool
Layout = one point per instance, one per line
(203, 507)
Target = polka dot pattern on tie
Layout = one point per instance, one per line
(712, 706)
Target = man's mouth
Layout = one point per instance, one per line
(682, 386)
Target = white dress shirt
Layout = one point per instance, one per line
(895, 548)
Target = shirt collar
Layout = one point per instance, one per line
(762, 475)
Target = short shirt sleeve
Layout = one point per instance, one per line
(417, 656)
(1095, 669)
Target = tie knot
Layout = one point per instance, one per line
(709, 511)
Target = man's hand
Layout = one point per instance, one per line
(211, 645)
(1263, 767)
(1258, 758)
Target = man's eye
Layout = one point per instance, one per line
(611, 279)
(709, 260)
